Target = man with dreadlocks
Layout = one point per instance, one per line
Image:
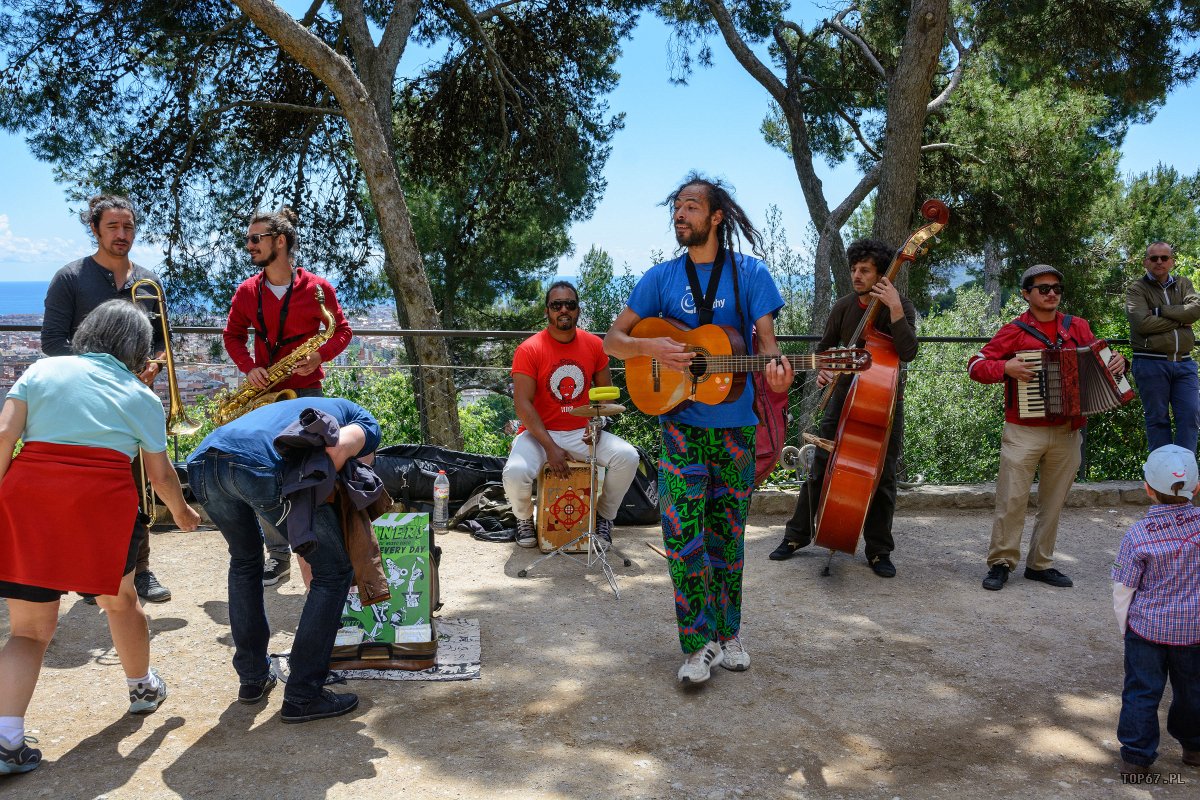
(869, 260)
(706, 468)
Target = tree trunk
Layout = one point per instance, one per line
(909, 92)
(830, 271)
(404, 267)
(992, 265)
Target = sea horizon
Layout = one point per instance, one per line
(23, 297)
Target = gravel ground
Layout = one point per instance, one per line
(922, 686)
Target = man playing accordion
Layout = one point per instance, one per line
(1047, 445)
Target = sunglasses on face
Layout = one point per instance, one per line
(255, 238)
(1046, 288)
(559, 305)
(1156, 259)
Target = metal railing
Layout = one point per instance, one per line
(952, 425)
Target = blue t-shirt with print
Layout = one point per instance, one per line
(664, 291)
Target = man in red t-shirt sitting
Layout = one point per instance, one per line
(552, 372)
(1048, 445)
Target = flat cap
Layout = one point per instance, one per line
(1038, 269)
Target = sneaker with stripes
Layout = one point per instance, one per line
(736, 658)
(146, 696)
(526, 533)
(698, 666)
(604, 528)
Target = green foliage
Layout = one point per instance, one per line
(483, 429)
(1133, 51)
(602, 293)
(793, 274)
(200, 118)
(387, 395)
(952, 424)
(1160, 205)
(1029, 164)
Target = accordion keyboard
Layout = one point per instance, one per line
(1031, 394)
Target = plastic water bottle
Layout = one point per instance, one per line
(441, 502)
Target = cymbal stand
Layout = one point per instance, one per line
(597, 548)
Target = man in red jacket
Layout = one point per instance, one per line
(280, 305)
(1048, 445)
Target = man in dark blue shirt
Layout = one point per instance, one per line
(237, 475)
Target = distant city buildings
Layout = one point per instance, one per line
(202, 367)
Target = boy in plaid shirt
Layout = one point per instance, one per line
(1156, 596)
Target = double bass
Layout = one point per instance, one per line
(865, 426)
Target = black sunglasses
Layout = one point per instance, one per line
(255, 238)
(1156, 259)
(1047, 288)
(559, 305)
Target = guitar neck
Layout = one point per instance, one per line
(755, 363)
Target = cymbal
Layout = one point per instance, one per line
(601, 410)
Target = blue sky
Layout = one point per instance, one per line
(712, 124)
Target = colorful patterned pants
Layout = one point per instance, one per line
(705, 478)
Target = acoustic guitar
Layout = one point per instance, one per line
(718, 372)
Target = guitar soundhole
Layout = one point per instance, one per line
(699, 366)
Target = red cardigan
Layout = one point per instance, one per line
(987, 366)
(304, 319)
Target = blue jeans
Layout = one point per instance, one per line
(1160, 384)
(1147, 667)
(235, 495)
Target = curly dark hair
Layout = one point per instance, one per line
(873, 250)
(734, 223)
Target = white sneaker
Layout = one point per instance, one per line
(526, 533)
(698, 666)
(736, 658)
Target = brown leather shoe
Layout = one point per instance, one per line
(1133, 769)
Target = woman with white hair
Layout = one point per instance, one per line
(81, 419)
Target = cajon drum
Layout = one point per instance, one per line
(565, 508)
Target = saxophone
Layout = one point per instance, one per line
(250, 397)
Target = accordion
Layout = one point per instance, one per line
(1070, 382)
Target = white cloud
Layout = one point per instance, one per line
(24, 250)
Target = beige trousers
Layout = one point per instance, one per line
(1053, 452)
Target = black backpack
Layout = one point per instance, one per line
(408, 472)
(640, 505)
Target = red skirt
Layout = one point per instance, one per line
(66, 518)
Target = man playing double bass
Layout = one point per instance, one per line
(869, 260)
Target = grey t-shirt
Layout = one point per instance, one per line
(77, 289)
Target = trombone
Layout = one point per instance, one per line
(178, 423)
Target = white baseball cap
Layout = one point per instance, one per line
(1167, 466)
